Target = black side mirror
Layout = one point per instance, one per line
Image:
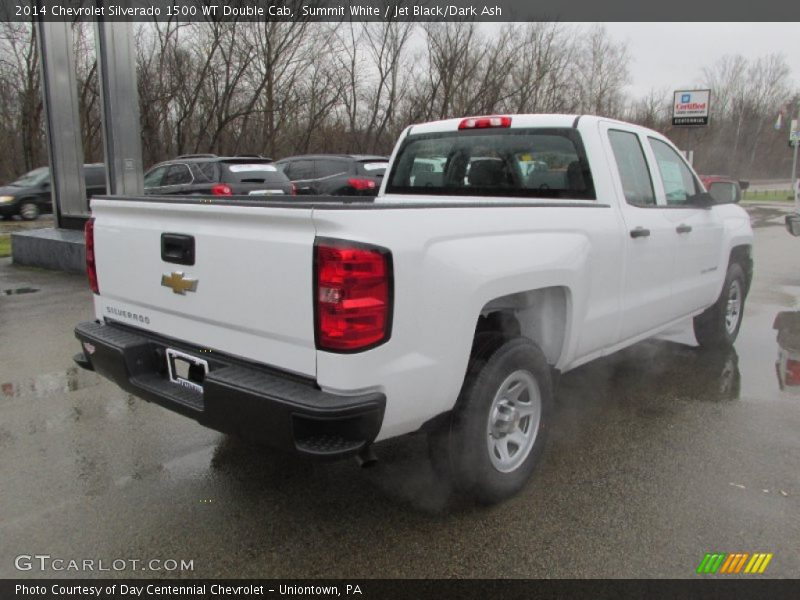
(703, 200)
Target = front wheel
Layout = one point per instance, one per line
(492, 441)
(719, 325)
(29, 211)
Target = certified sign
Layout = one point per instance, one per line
(690, 107)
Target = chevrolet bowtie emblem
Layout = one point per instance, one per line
(179, 283)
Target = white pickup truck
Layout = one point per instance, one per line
(500, 252)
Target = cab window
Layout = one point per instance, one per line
(637, 185)
(680, 186)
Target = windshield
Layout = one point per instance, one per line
(539, 163)
(34, 177)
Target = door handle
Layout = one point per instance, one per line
(683, 228)
(177, 248)
(640, 232)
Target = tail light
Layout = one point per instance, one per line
(294, 190)
(360, 184)
(484, 122)
(222, 189)
(352, 295)
(792, 372)
(91, 265)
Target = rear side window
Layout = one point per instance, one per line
(679, 183)
(538, 163)
(637, 184)
(206, 172)
(177, 175)
(329, 168)
(299, 169)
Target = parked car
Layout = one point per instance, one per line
(29, 196)
(724, 189)
(209, 174)
(447, 306)
(335, 174)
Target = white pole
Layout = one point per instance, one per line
(793, 182)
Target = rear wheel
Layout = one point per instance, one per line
(491, 443)
(29, 211)
(719, 325)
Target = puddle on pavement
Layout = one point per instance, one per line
(16, 291)
(48, 384)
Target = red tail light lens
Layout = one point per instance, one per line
(353, 295)
(792, 372)
(484, 122)
(294, 190)
(361, 184)
(222, 190)
(91, 266)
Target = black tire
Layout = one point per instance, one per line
(29, 210)
(461, 448)
(713, 328)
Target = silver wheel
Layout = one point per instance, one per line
(733, 308)
(514, 419)
(29, 211)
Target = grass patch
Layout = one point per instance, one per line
(5, 245)
(768, 196)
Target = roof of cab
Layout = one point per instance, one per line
(517, 121)
(520, 121)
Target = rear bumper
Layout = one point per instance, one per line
(258, 404)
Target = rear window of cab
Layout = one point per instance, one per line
(531, 163)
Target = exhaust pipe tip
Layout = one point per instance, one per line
(366, 457)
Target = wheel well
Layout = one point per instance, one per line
(743, 256)
(539, 315)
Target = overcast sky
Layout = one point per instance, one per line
(673, 54)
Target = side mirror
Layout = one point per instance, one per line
(703, 200)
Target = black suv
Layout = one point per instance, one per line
(217, 175)
(335, 174)
(29, 196)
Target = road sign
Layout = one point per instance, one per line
(690, 107)
(794, 132)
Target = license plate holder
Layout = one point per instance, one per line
(186, 370)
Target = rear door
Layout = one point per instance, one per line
(246, 290)
(302, 172)
(332, 174)
(647, 289)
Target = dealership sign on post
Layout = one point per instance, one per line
(690, 107)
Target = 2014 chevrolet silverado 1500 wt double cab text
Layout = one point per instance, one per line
(499, 252)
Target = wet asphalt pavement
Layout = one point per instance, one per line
(657, 455)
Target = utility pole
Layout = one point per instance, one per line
(795, 144)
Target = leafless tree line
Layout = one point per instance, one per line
(282, 88)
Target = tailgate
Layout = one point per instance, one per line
(252, 267)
